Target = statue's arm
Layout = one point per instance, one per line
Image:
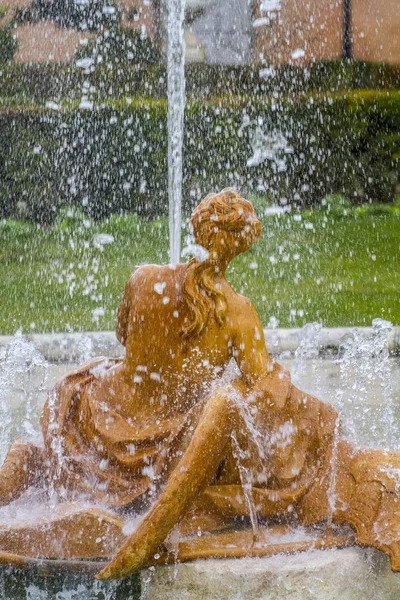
(264, 378)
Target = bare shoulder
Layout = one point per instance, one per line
(240, 303)
(146, 276)
(242, 314)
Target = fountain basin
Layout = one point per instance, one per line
(347, 574)
(73, 347)
(34, 584)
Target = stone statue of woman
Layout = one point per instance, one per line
(168, 432)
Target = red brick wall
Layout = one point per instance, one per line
(376, 30)
(311, 26)
(316, 27)
(43, 42)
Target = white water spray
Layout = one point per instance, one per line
(23, 374)
(176, 107)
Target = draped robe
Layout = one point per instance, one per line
(98, 454)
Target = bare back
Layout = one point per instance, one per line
(162, 371)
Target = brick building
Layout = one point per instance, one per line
(297, 31)
(45, 42)
(241, 31)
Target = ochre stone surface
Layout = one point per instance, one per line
(167, 423)
(83, 528)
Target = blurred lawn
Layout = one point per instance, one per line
(311, 266)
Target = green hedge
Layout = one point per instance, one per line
(38, 83)
(8, 44)
(114, 157)
(67, 13)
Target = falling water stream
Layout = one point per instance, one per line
(176, 107)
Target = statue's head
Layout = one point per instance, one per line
(225, 224)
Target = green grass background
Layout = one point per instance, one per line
(335, 267)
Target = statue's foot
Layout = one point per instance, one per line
(394, 553)
(202, 518)
(202, 523)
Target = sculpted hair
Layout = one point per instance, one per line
(216, 215)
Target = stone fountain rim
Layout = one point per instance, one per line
(75, 347)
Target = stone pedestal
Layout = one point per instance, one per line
(348, 574)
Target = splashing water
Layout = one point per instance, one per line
(307, 350)
(246, 479)
(176, 107)
(272, 146)
(260, 445)
(71, 587)
(23, 373)
(365, 364)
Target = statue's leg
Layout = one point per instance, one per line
(193, 473)
(22, 468)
